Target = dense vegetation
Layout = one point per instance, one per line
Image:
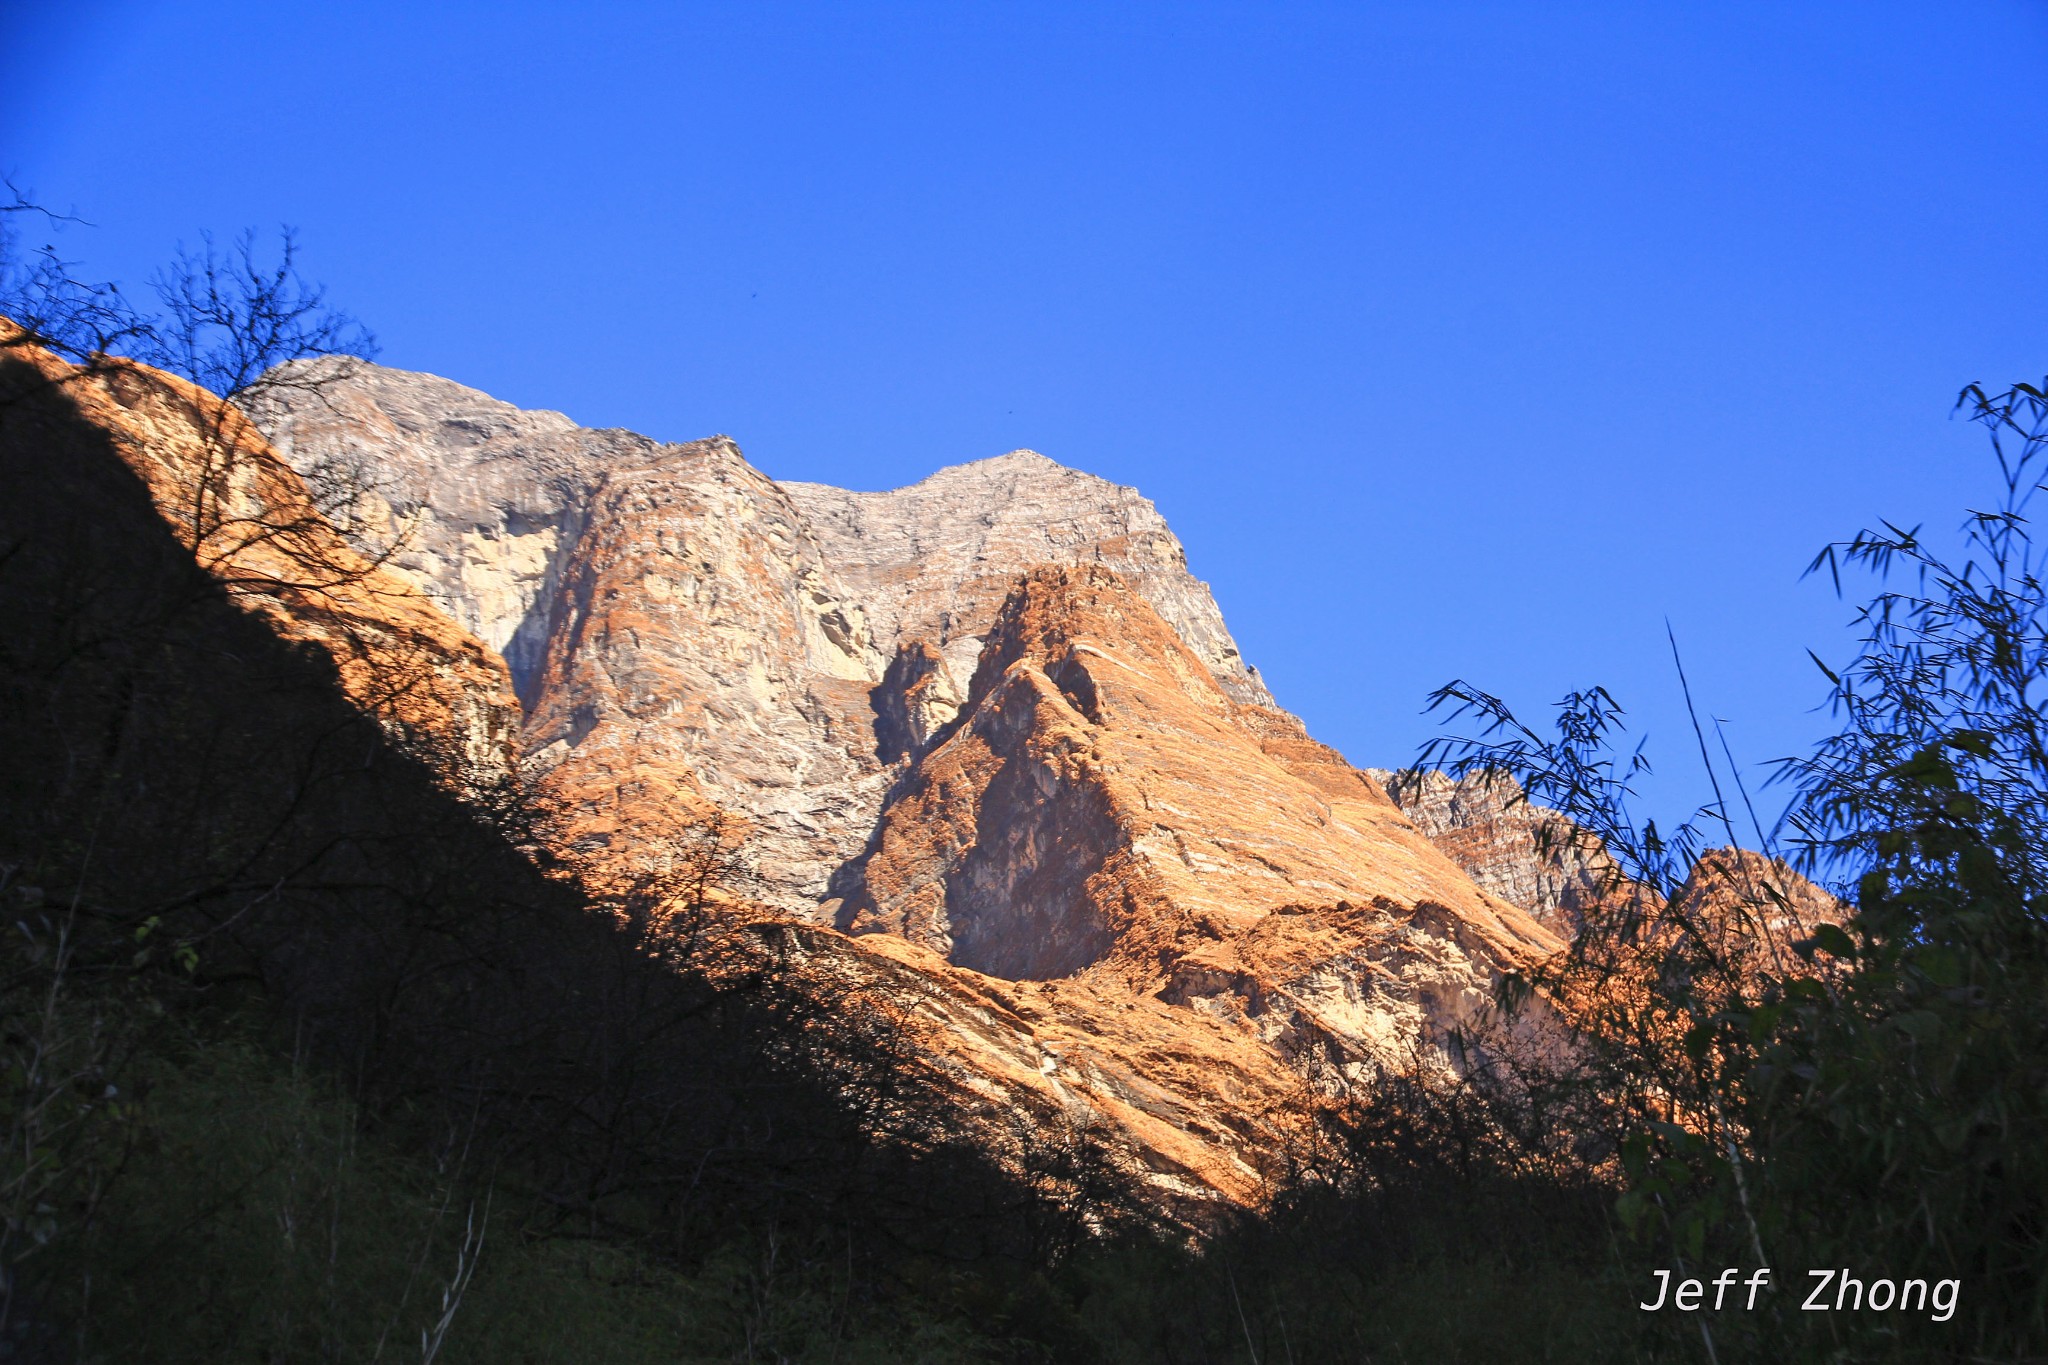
(309, 1059)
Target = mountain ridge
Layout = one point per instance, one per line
(987, 724)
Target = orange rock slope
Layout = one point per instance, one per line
(999, 764)
(1189, 904)
(250, 520)
(1101, 810)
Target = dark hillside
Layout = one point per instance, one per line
(198, 831)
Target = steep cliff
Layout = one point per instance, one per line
(1103, 810)
(682, 628)
(699, 644)
(474, 501)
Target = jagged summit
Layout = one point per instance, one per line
(672, 600)
(1022, 462)
(1018, 463)
(940, 554)
(487, 498)
(1022, 454)
(421, 401)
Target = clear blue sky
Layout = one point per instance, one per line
(1454, 340)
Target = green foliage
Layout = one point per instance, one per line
(1901, 1113)
(1871, 1094)
(258, 1221)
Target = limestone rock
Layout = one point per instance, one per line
(917, 698)
(934, 560)
(701, 649)
(480, 499)
(1103, 810)
(683, 629)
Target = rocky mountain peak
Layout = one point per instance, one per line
(985, 732)
(480, 498)
(671, 607)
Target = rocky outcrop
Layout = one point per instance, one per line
(997, 763)
(917, 697)
(682, 628)
(1523, 853)
(473, 500)
(700, 646)
(1103, 810)
(1538, 859)
(1758, 907)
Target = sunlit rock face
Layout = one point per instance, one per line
(681, 627)
(700, 644)
(933, 561)
(1103, 810)
(990, 738)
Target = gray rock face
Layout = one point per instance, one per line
(680, 627)
(916, 698)
(987, 723)
(1525, 854)
(933, 561)
(702, 645)
(481, 499)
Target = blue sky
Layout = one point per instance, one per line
(1454, 340)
